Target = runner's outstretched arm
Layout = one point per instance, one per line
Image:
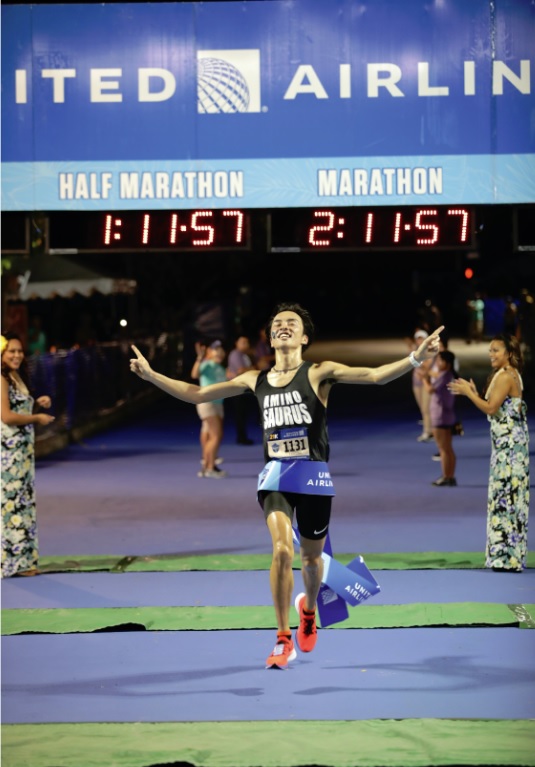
(385, 373)
(188, 392)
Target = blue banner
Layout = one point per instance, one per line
(332, 608)
(267, 104)
(341, 585)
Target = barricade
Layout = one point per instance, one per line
(91, 385)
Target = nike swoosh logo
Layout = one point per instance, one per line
(318, 532)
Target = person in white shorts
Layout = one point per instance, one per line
(208, 368)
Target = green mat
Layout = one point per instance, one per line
(428, 560)
(388, 743)
(64, 621)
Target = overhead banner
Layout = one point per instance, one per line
(294, 103)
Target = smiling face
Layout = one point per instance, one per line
(218, 354)
(499, 356)
(287, 331)
(13, 354)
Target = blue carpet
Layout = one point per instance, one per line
(192, 676)
(71, 590)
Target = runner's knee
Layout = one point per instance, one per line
(310, 561)
(283, 554)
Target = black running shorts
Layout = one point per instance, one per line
(312, 512)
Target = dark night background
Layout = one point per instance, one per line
(350, 293)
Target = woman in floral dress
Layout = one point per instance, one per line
(19, 529)
(508, 494)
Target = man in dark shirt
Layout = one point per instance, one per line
(293, 397)
(239, 361)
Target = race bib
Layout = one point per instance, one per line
(290, 443)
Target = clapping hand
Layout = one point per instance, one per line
(462, 386)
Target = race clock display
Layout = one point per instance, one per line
(157, 230)
(379, 228)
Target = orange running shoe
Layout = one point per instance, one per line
(307, 633)
(283, 652)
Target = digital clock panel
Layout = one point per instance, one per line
(156, 230)
(381, 228)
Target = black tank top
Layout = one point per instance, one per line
(295, 404)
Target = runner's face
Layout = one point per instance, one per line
(287, 331)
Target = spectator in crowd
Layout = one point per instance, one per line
(19, 523)
(476, 318)
(208, 368)
(430, 316)
(419, 391)
(37, 343)
(508, 492)
(435, 371)
(510, 317)
(240, 360)
(263, 353)
(442, 413)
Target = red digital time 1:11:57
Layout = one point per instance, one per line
(420, 227)
(164, 229)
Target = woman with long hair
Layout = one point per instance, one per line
(508, 492)
(19, 526)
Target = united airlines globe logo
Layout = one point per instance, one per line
(221, 87)
(228, 81)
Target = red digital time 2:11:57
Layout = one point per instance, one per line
(165, 229)
(413, 227)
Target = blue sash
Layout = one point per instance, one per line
(341, 585)
(305, 477)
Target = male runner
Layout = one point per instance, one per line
(292, 396)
